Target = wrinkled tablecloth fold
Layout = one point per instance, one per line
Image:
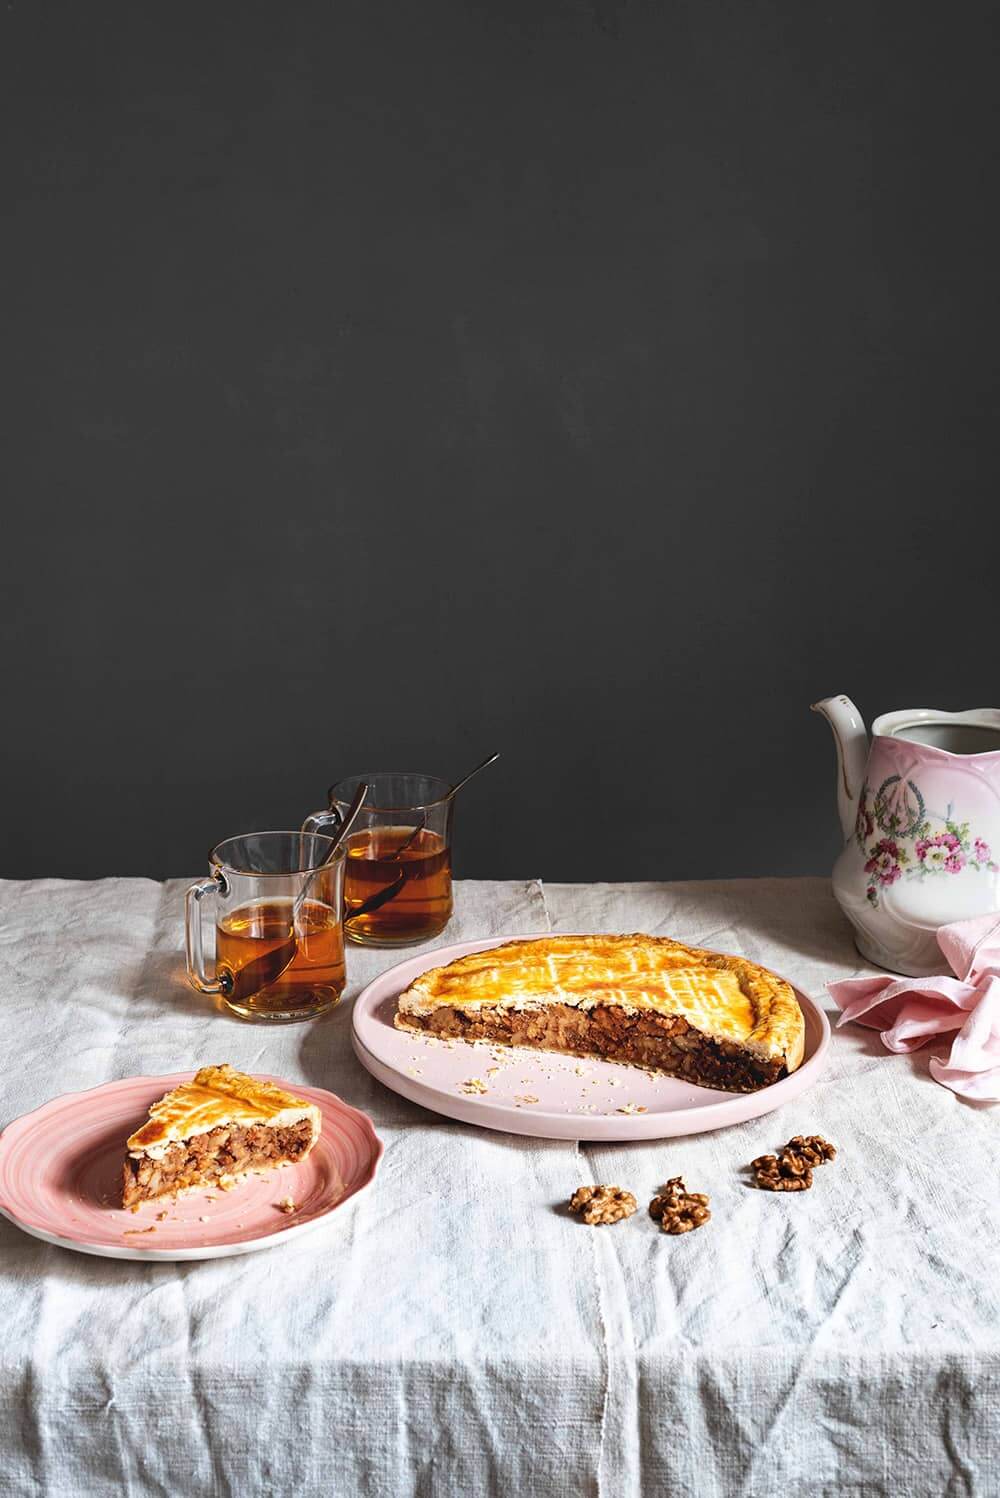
(455, 1331)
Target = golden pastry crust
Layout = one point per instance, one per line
(219, 1096)
(729, 1000)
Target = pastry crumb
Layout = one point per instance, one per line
(631, 1108)
(473, 1086)
(525, 1097)
(287, 1205)
(137, 1232)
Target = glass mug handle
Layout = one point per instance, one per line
(323, 821)
(193, 932)
(327, 823)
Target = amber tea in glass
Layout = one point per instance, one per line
(397, 879)
(267, 885)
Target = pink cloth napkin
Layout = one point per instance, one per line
(912, 1011)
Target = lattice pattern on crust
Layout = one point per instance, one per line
(724, 997)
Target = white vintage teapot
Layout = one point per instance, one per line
(920, 810)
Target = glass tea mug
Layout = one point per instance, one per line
(397, 881)
(262, 885)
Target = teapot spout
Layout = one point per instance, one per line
(852, 755)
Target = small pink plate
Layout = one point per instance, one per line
(549, 1096)
(60, 1179)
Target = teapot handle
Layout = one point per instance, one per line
(851, 738)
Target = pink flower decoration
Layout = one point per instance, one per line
(941, 852)
(884, 861)
(981, 849)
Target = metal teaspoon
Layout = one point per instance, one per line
(383, 896)
(262, 971)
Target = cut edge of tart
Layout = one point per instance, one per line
(713, 1019)
(213, 1130)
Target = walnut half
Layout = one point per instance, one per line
(602, 1204)
(792, 1167)
(781, 1173)
(678, 1210)
(812, 1148)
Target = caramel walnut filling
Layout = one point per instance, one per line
(204, 1159)
(642, 1037)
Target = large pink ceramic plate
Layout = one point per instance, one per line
(61, 1166)
(548, 1096)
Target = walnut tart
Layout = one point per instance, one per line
(715, 1020)
(214, 1129)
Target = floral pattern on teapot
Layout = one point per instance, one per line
(911, 846)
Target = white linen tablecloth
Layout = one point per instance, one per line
(454, 1331)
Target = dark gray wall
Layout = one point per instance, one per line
(386, 383)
